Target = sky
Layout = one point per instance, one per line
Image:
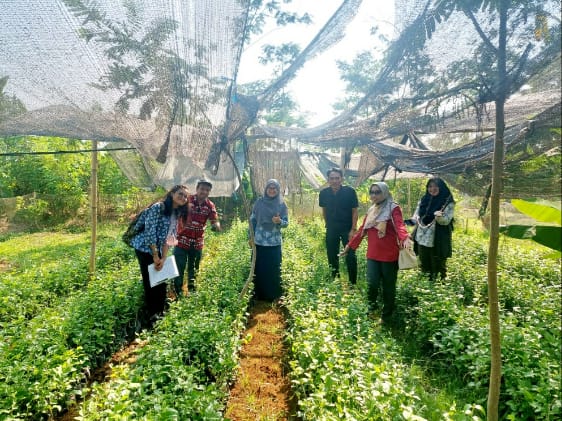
(317, 85)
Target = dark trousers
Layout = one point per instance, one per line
(267, 273)
(432, 264)
(191, 257)
(154, 298)
(382, 275)
(335, 239)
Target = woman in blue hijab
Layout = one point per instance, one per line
(269, 215)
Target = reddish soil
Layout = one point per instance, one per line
(262, 390)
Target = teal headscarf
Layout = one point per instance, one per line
(267, 207)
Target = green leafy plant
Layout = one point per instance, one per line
(191, 357)
(547, 235)
(342, 365)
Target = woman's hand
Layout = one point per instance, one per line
(407, 243)
(344, 251)
(158, 263)
(438, 213)
(276, 219)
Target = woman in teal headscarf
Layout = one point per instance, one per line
(269, 215)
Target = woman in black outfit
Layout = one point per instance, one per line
(434, 225)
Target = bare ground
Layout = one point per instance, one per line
(262, 390)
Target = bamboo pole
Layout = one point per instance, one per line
(93, 207)
(410, 212)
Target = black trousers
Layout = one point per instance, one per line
(382, 275)
(431, 263)
(335, 239)
(192, 257)
(154, 298)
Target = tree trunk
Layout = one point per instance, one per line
(94, 207)
(497, 170)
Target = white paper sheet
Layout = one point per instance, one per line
(168, 271)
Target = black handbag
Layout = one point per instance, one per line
(413, 237)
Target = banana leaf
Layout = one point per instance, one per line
(548, 236)
(541, 213)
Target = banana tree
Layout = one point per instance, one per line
(547, 235)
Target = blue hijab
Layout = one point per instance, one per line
(267, 207)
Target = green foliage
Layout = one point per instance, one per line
(549, 236)
(447, 325)
(47, 349)
(46, 174)
(283, 108)
(10, 106)
(54, 187)
(35, 279)
(31, 212)
(433, 364)
(342, 365)
(111, 179)
(184, 370)
(262, 12)
(161, 92)
(540, 212)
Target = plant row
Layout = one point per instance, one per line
(447, 325)
(189, 360)
(43, 270)
(45, 362)
(343, 366)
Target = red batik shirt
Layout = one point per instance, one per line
(191, 233)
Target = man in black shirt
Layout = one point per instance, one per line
(339, 207)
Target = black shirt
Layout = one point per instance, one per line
(339, 206)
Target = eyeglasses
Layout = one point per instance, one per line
(181, 194)
(375, 192)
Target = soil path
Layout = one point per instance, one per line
(262, 390)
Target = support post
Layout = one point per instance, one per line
(93, 207)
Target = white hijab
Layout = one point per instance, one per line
(381, 212)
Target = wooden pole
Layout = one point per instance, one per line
(497, 172)
(410, 212)
(93, 207)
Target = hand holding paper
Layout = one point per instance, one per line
(169, 271)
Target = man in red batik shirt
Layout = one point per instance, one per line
(191, 234)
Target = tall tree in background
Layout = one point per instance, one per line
(273, 14)
(358, 75)
(283, 109)
(261, 13)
